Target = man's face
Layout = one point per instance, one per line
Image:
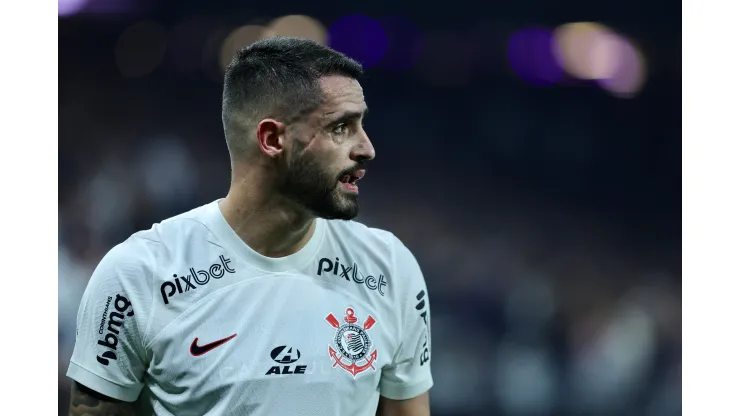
(329, 152)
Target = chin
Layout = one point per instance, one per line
(339, 214)
(342, 208)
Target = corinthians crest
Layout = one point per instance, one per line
(352, 343)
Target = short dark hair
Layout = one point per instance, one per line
(277, 77)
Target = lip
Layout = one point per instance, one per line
(359, 174)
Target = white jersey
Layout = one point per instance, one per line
(186, 319)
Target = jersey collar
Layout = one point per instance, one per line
(226, 236)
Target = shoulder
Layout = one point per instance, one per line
(363, 234)
(381, 244)
(137, 256)
(174, 232)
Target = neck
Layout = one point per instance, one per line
(266, 222)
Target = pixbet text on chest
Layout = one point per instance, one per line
(352, 272)
(187, 282)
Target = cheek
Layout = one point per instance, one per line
(315, 167)
(328, 159)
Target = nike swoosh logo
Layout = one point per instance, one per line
(197, 350)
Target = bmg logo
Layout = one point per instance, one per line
(371, 282)
(115, 322)
(424, 358)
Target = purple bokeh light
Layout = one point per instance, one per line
(70, 7)
(360, 38)
(531, 57)
(628, 74)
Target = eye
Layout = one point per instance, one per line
(340, 129)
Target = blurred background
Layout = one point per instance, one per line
(528, 154)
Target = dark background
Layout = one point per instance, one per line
(546, 218)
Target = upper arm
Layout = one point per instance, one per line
(409, 374)
(417, 406)
(90, 403)
(109, 355)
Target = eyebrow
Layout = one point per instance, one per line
(349, 116)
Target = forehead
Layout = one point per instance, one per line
(341, 94)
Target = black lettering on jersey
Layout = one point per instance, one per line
(420, 298)
(424, 358)
(166, 296)
(285, 355)
(217, 272)
(324, 266)
(201, 274)
(346, 271)
(180, 284)
(286, 369)
(421, 306)
(116, 320)
(101, 328)
(352, 273)
(186, 280)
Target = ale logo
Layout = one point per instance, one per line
(286, 355)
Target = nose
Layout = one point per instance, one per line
(364, 149)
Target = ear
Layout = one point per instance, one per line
(271, 137)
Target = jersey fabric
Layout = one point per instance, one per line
(186, 319)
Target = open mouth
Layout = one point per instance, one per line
(349, 181)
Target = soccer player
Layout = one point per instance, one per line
(270, 301)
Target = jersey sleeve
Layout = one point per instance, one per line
(109, 355)
(409, 374)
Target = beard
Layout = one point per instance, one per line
(309, 184)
